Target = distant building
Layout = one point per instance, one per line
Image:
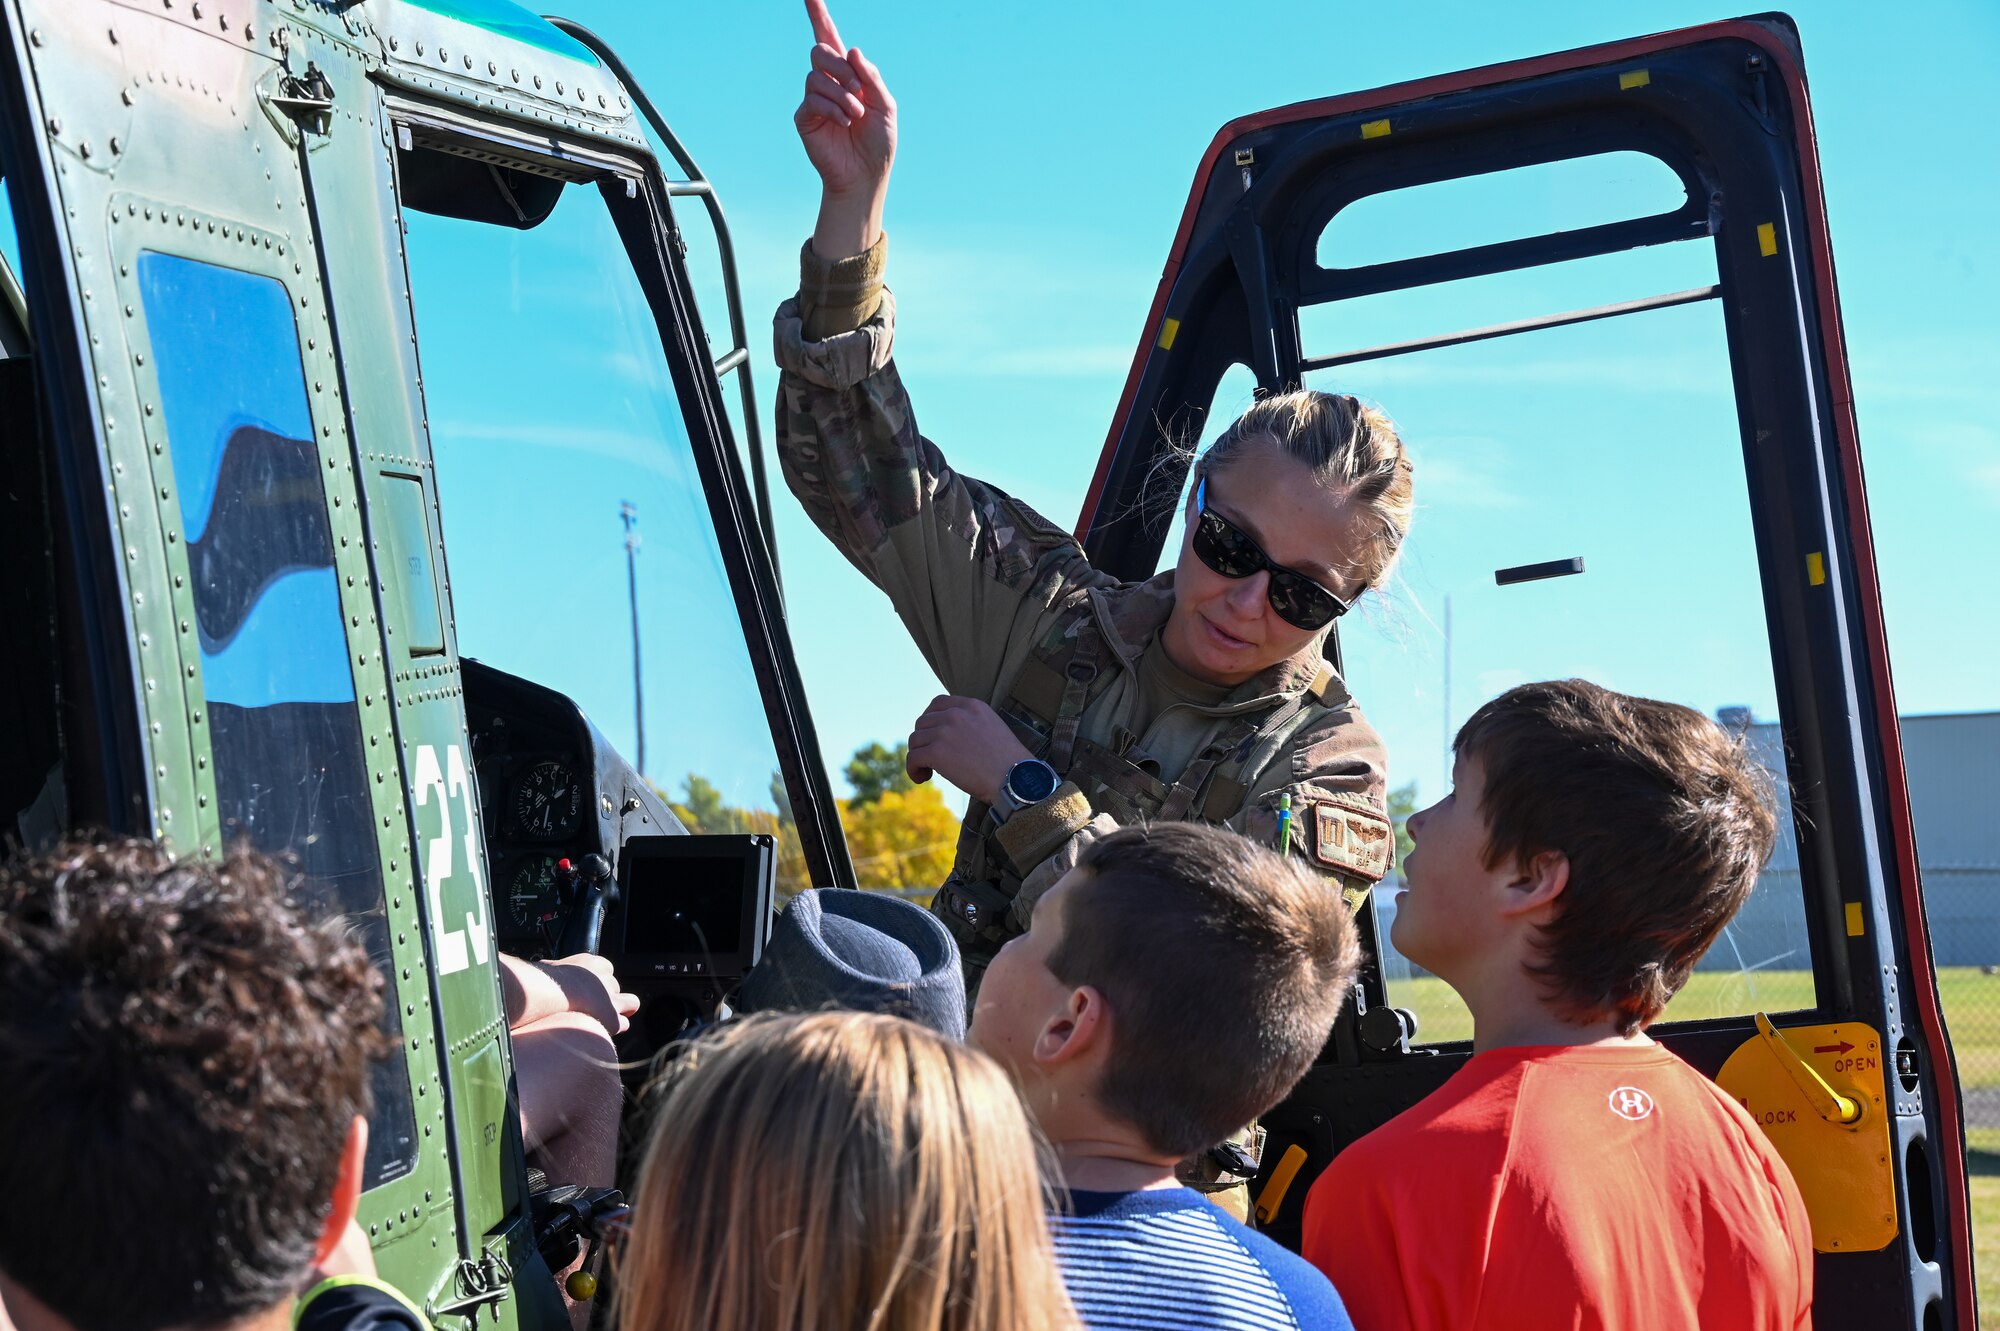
(1953, 764)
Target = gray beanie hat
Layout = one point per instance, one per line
(838, 947)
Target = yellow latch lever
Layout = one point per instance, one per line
(1828, 1103)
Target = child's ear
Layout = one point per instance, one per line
(346, 1190)
(1540, 879)
(1083, 1025)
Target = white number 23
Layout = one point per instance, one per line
(451, 784)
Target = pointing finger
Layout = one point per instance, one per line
(823, 29)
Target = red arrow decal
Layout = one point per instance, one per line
(1841, 1048)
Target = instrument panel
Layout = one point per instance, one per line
(545, 800)
(532, 752)
(556, 806)
(535, 804)
(530, 897)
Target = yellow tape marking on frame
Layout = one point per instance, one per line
(1635, 78)
(1274, 1192)
(1767, 239)
(1169, 330)
(1375, 129)
(1816, 569)
(1855, 926)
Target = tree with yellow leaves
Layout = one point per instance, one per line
(900, 835)
(900, 838)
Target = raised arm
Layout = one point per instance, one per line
(971, 571)
(847, 121)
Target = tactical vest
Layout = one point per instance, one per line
(1044, 707)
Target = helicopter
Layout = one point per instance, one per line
(237, 441)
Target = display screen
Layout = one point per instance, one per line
(685, 904)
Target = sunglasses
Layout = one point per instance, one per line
(1228, 550)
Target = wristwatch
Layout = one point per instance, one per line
(1029, 781)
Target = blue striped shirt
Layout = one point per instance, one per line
(1166, 1260)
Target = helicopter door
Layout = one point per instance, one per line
(201, 440)
(1596, 291)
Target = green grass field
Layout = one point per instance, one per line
(1971, 1011)
(1982, 1160)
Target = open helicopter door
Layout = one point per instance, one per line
(224, 611)
(1691, 445)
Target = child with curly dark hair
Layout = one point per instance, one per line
(184, 1098)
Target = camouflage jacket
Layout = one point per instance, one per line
(994, 595)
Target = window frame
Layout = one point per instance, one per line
(251, 252)
(636, 195)
(1247, 260)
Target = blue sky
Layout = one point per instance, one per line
(1046, 154)
(1046, 151)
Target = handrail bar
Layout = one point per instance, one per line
(697, 185)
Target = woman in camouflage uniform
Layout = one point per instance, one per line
(1202, 692)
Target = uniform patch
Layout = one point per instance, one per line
(1356, 841)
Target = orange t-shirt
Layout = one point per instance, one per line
(1594, 1187)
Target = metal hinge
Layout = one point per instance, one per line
(488, 1280)
(307, 98)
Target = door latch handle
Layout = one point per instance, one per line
(306, 98)
(1828, 1103)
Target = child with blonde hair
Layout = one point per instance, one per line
(839, 1170)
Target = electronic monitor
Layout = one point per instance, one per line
(695, 906)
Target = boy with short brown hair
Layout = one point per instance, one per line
(1172, 987)
(1573, 1172)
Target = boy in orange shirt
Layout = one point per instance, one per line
(1573, 1173)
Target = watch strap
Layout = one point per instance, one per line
(1035, 833)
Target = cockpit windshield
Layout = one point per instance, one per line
(579, 538)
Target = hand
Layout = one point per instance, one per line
(847, 121)
(591, 988)
(964, 741)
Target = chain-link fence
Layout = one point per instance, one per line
(1962, 904)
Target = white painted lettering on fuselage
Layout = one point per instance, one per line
(450, 783)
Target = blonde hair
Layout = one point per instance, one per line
(1353, 450)
(838, 1171)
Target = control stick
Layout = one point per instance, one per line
(588, 885)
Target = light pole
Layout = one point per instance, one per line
(628, 512)
(1444, 785)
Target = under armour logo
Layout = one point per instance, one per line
(1631, 1102)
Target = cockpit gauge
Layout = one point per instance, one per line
(531, 892)
(548, 800)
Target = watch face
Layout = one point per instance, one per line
(1032, 781)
